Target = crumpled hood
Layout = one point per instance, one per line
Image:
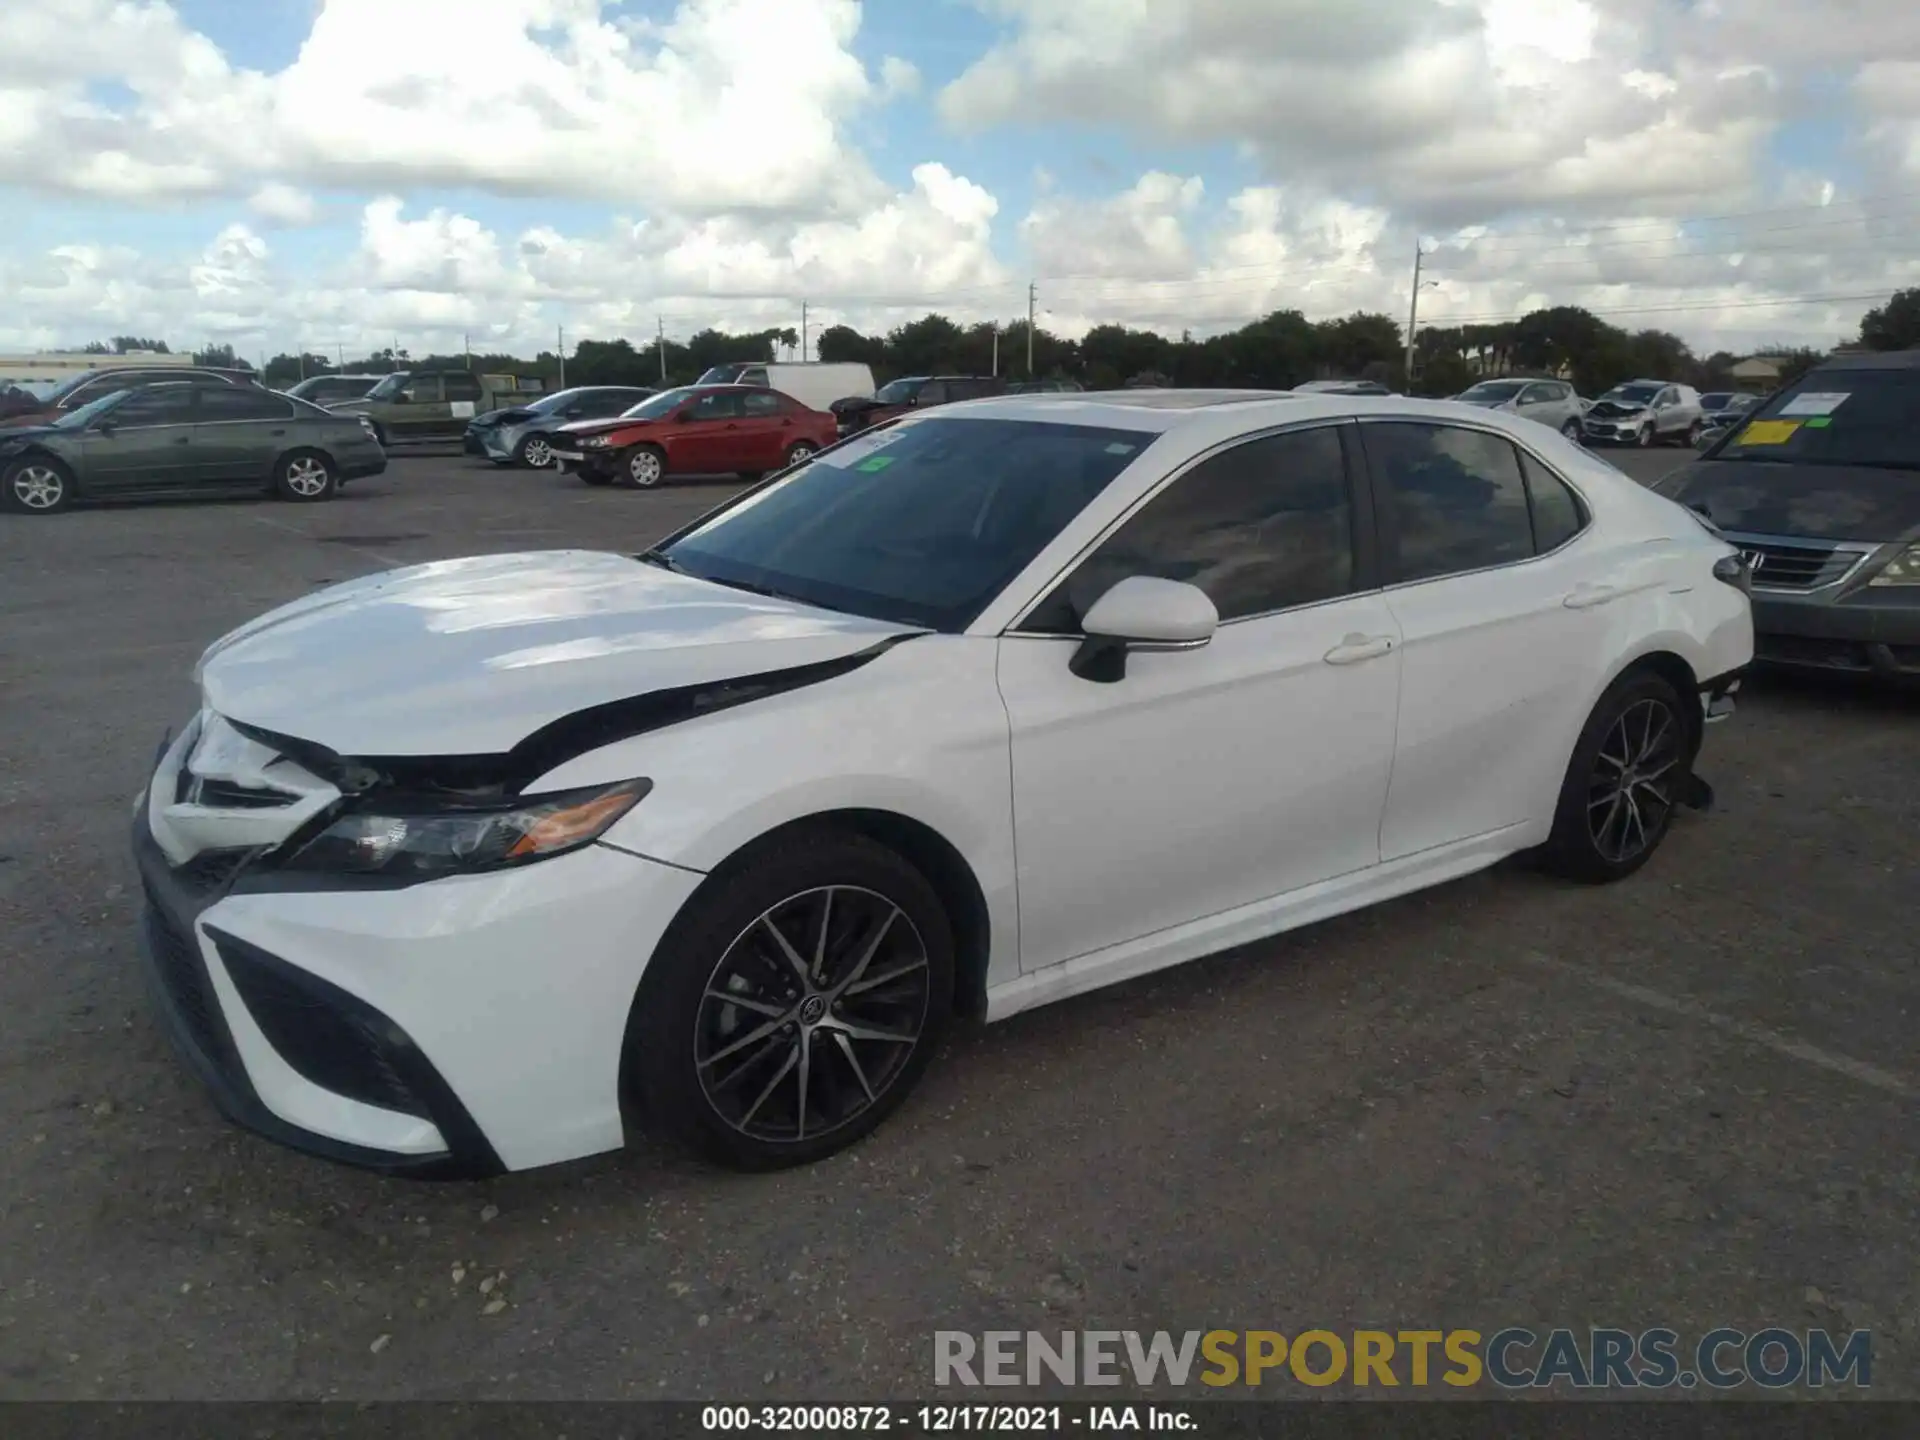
(469, 657)
(579, 428)
(1616, 409)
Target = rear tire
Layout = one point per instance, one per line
(36, 485)
(306, 477)
(693, 1060)
(1630, 770)
(801, 450)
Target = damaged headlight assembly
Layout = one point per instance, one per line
(419, 840)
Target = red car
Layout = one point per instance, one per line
(743, 430)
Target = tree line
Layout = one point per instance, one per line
(1279, 351)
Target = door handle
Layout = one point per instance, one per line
(276, 432)
(1588, 597)
(183, 439)
(1355, 648)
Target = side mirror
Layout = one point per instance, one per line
(105, 427)
(1142, 612)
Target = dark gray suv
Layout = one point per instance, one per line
(1820, 489)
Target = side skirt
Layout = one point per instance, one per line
(1322, 901)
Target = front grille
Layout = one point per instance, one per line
(176, 958)
(345, 1048)
(1778, 565)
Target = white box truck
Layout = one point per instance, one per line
(815, 384)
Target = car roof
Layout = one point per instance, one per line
(1871, 360)
(1225, 411)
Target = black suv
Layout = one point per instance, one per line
(1820, 488)
(912, 392)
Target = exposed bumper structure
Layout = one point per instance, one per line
(449, 1029)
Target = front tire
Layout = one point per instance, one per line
(535, 453)
(801, 450)
(1644, 437)
(793, 1003)
(306, 477)
(1694, 431)
(37, 485)
(1629, 770)
(645, 467)
(1571, 430)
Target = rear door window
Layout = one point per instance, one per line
(1454, 499)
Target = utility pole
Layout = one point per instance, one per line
(340, 348)
(996, 349)
(661, 321)
(1033, 299)
(1413, 310)
(466, 346)
(563, 357)
(803, 332)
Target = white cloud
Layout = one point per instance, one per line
(728, 105)
(279, 204)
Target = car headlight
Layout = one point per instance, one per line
(422, 843)
(594, 442)
(1903, 569)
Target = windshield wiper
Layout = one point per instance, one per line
(767, 590)
(665, 561)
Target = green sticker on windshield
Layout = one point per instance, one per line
(874, 465)
(1820, 422)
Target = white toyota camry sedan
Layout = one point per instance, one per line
(477, 865)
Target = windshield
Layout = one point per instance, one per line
(658, 407)
(724, 374)
(1495, 390)
(1716, 400)
(1632, 394)
(1846, 417)
(77, 419)
(898, 392)
(923, 524)
(388, 388)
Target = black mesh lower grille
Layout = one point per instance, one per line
(338, 1050)
(1809, 650)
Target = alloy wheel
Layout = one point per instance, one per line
(307, 477)
(39, 487)
(812, 1014)
(1630, 794)
(644, 468)
(539, 454)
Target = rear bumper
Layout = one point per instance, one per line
(1866, 633)
(355, 467)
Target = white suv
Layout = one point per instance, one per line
(1647, 412)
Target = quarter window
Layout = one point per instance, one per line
(1558, 515)
(1265, 526)
(760, 404)
(1455, 498)
(462, 387)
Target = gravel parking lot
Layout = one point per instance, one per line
(1688, 1100)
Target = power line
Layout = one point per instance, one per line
(1681, 308)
